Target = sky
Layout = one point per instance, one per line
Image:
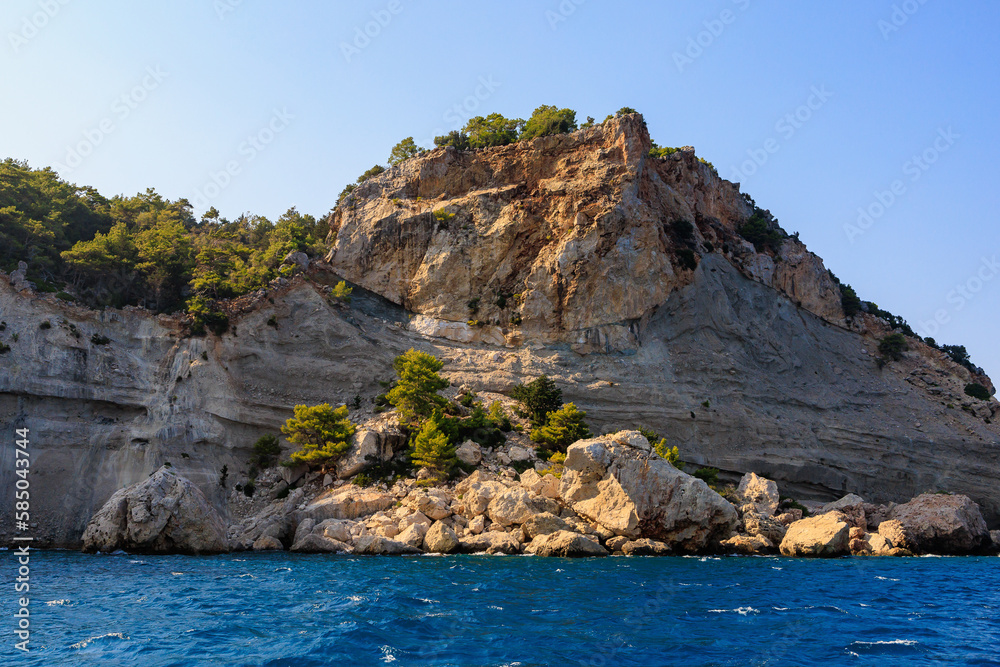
(868, 126)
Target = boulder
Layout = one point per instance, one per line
(416, 517)
(859, 547)
(617, 481)
(763, 493)
(477, 525)
(789, 517)
(546, 486)
(335, 529)
(646, 547)
(413, 535)
(376, 545)
(470, 453)
(268, 543)
(492, 542)
(615, 544)
(298, 259)
(895, 533)
(476, 491)
(441, 539)
(878, 545)
(853, 509)
(164, 513)
(768, 527)
(937, 523)
(349, 502)
(370, 445)
(304, 528)
(518, 454)
(433, 503)
(823, 535)
(316, 543)
(512, 506)
(293, 473)
(995, 537)
(564, 544)
(543, 524)
(747, 545)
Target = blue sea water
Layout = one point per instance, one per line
(304, 611)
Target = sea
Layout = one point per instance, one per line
(279, 609)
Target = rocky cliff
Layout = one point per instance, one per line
(562, 256)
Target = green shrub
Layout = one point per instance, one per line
(324, 433)
(498, 416)
(709, 475)
(272, 321)
(65, 296)
(341, 292)
(98, 339)
(265, 451)
(515, 319)
(671, 454)
(466, 399)
(459, 140)
(662, 152)
(687, 259)
(893, 346)
(223, 476)
(976, 390)
(562, 428)
(683, 229)
(539, 397)
(45, 325)
(625, 111)
(849, 300)
(443, 216)
(415, 394)
(762, 230)
(4, 348)
(249, 488)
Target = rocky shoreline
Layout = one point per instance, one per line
(613, 496)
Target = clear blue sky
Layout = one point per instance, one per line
(893, 87)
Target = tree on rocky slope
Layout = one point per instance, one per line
(433, 450)
(415, 394)
(323, 432)
(563, 427)
(403, 151)
(546, 120)
(539, 397)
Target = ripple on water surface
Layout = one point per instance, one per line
(278, 609)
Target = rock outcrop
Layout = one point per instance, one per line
(164, 514)
(936, 523)
(620, 483)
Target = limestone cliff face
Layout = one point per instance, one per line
(744, 361)
(568, 238)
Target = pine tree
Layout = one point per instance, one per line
(415, 394)
(564, 427)
(323, 432)
(432, 450)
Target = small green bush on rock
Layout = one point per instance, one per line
(976, 390)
